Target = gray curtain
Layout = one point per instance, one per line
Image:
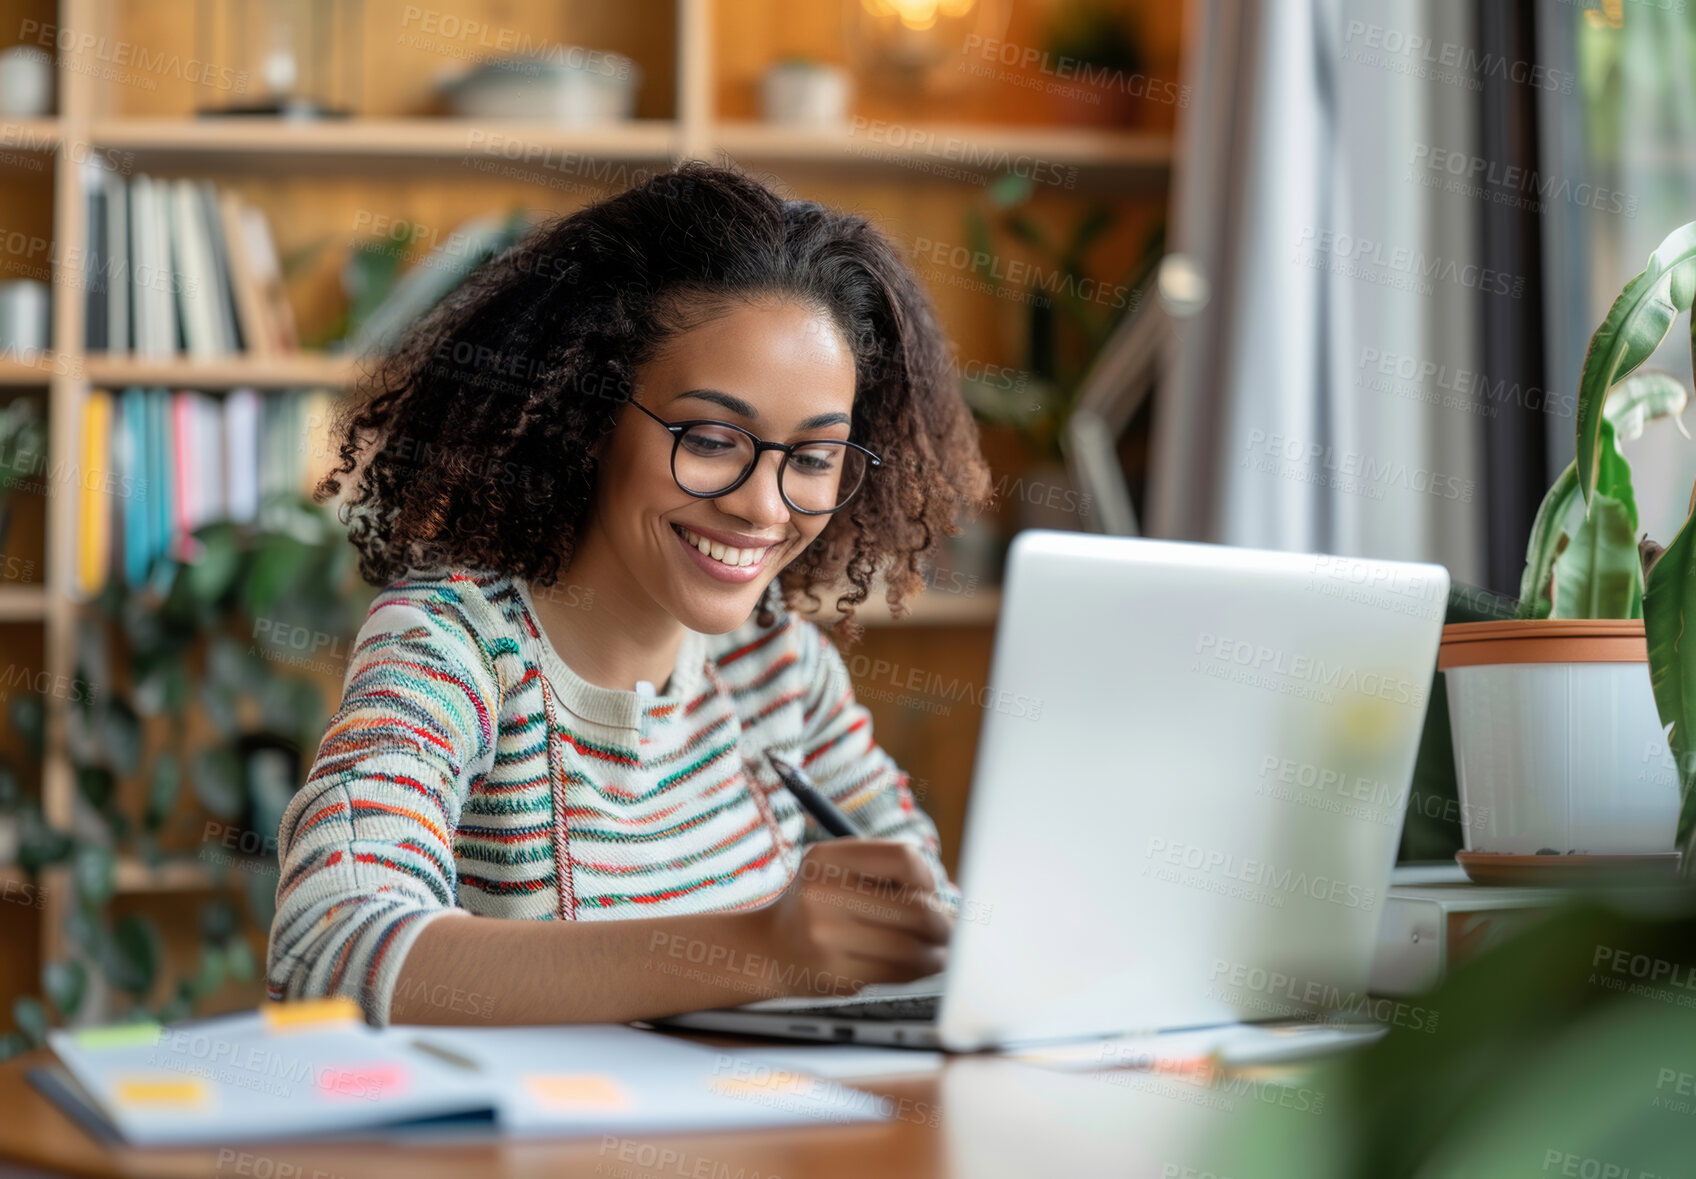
(1327, 397)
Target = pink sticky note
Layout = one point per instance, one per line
(369, 1082)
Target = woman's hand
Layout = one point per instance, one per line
(859, 911)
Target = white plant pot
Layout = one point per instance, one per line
(1557, 740)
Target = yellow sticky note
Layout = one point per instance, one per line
(577, 1092)
(178, 1092)
(309, 1013)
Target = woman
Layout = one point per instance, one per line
(682, 397)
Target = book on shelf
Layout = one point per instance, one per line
(157, 464)
(178, 267)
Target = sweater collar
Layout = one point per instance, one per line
(615, 706)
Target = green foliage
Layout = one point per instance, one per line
(1538, 1051)
(1599, 575)
(1667, 609)
(193, 631)
(1629, 334)
(1065, 330)
(1098, 33)
(1560, 517)
(1586, 562)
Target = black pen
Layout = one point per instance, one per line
(828, 814)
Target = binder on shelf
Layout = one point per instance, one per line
(252, 312)
(166, 462)
(186, 270)
(131, 448)
(260, 252)
(197, 292)
(117, 275)
(242, 408)
(212, 226)
(93, 499)
(95, 257)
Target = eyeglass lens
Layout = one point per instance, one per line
(818, 476)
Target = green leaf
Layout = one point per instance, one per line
(276, 567)
(1642, 398)
(262, 895)
(162, 790)
(1614, 476)
(31, 1019)
(212, 971)
(1096, 222)
(1600, 574)
(1010, 189)
(64, 984)
(29, 721)
(217, 781)
(12, 1044)
(218, 921)
(95, 871)
(82, 932)
(120, 735)
(176, 1008)
(97, 784)
(1560, 516)
(1028, 231)
(1669, 604)
(983, 249)
(243, 966)
(1634, 327)
(39, 844)
(133, 955)
(219, 705)
(214, 568)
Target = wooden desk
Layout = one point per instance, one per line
(978, 1116)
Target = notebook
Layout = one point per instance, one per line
(315, 1069)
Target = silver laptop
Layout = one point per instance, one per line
(1187, 811)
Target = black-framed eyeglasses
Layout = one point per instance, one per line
(710, 458)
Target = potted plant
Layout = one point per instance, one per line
(1097, 67)
(1069, 314)
(1598, 609)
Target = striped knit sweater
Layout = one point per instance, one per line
(470, 770)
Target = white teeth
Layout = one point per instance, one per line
(724, 554)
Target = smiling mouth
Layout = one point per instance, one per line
(734, 558)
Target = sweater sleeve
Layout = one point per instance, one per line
(366, 844)
(848, 766)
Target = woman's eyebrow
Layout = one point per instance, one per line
(737, 406)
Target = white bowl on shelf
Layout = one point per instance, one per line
(805, 94)
(569, 85)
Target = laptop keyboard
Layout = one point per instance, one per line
(909, 1008)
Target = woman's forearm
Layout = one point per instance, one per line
(502, 971)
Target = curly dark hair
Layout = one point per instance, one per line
(475, 435)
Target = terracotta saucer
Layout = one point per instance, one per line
(1502, 868)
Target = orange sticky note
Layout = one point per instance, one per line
(575, 1092)
(309, 1013)
(158, 1091)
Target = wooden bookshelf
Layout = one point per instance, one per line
(405, 158)
(273, 372)
(23, 603)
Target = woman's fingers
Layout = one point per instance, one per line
(876, 944)
(893, 860)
